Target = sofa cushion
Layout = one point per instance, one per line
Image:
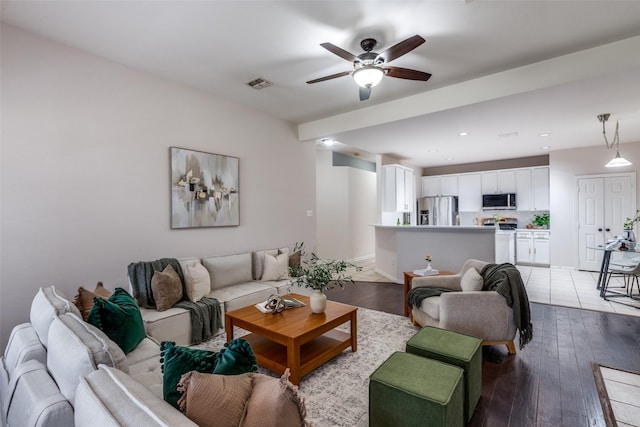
(471, 280)
(242, 294)
(274, 402)
(84, 298)
(197, 282)
(35, 399)
(47, 305)
(431, 306)
(76, 348)
(166, 287)
(258, 261)
(212, 400)
(275, 267)
(108, 396)
(170, 325)
(228, 270)
(23, 345)
(119, 317)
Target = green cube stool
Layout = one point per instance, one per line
(456, 349)
(410, 390)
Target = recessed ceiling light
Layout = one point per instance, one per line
(508, 135)
(544, 135)
(432, 150)
(328, 141)
(449, 159)
(545, 147)
(463, 133)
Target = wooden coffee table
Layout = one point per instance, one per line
(296, 338)
(408, 278)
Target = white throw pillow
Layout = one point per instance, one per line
(197, 282)
(276, 267)
(471, 280)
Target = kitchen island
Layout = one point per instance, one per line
(403, 247)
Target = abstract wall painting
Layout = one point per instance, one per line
(204, 189)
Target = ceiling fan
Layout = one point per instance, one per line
(369, 67)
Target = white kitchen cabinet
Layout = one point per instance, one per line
(505, 247)
(540, 188)
(532, 247)
(449, 185)
(469, 192)
(489, 182)
(398, 189)
(524, 195)
(499, 182)
(431, 186)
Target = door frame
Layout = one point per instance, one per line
(576, 212)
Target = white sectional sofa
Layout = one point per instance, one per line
(236, 282)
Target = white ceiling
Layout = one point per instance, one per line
(480, 54)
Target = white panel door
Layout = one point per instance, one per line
(617, 204)
(591, 222)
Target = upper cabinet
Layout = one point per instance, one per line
(469, 192)
(540, 188)
(496, 182)
(399, 191)
(440, 185)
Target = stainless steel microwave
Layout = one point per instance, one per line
(499, 201)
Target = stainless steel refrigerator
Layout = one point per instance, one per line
(438, 210)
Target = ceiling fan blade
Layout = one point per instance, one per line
(365, 92)
(401, 48)
(332, 76)
(339, 51)
(406, 73)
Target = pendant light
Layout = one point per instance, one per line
(618, 160)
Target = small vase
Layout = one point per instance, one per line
(318, 301)
(429, 266)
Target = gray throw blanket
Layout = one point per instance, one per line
(507, 281)
(416, 295)
(206, 316)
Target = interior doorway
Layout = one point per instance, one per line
(604, 201)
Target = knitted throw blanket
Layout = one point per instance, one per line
(416, 295)
(206, 316)
(507, 281)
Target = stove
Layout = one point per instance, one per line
(505, 223)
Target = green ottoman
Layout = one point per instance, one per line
(456, 349)
(409, 390)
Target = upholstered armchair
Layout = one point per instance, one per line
(470, 310)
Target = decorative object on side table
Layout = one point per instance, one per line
(628, 225)
(320, 275)
(429, 271)
(428, 259)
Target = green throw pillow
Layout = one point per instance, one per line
(236, 358)
(119, 317)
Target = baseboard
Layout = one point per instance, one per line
(362, 258)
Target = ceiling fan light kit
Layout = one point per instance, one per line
(618, 160)
(369, 66)
(368, 75)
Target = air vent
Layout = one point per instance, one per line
(259, 83)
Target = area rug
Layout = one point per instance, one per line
(619, 393)
(337, 393)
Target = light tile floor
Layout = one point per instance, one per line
(557, 286)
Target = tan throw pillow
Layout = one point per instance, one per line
(276, 267)
(197, 282)
(214, 400)
(166, 287)
(84, 299)
(471, 280)
(274, 402)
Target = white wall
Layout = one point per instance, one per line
(346, 204)
(85, 172)
(564, 166)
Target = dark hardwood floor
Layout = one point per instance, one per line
(550, 381)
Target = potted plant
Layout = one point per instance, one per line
(628, 225)
(320, 275)
(541, 221)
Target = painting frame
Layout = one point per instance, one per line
(204, 189)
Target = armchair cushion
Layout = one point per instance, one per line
(471, 280)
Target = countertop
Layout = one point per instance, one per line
(474, 228)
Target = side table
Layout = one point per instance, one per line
(408, 278)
